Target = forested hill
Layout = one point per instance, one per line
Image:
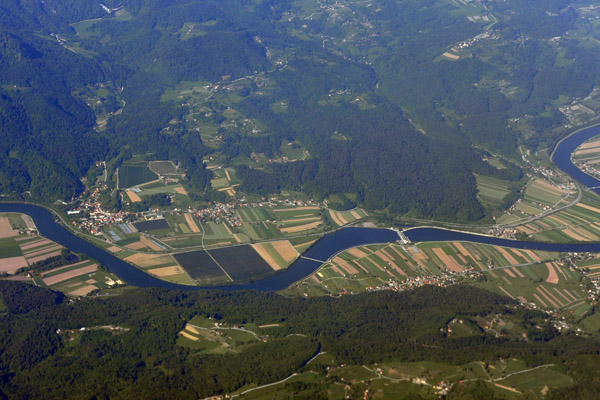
(45, 354)
(373, 91)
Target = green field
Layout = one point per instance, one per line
(9, 248)
(492, 189)
(374, 267)
(577, 223)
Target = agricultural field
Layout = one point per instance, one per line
(77, 279)
(130, 175)
(492, 191)
(201, 267)
(578, 223)
(162, 266)
(162, 167)
(11, 256)
(305, 219)
(12, 224)
(341, 218)
(152, 225)
(535, 277)
(207, 336)
(587, 157)
(550, 285)
(540, 196)
(588, 152)
(240, 262)
(261, 223)
(506, 378)
(279, 254)
(38, 248)
(225, 180)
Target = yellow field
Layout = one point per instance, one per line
(134, 196)
(228, 176)
(180, 190)
(136, 246)
(451, 56)
(301, 228)
(150, 243)
(358, 253)
(283, 247)
(189, 219)
(337, 218)
(594, 209)
(149, 260)
(355, 214)
(167, 271)
(187, 335)
(114, 249)
(342, 218)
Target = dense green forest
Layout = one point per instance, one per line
(143, 361)
(366, 91)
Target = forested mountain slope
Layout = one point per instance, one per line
(395, 102)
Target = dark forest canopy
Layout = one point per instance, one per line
(394, 62)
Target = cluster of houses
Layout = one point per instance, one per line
(590, 169)
(219, 211)
(91, 216)
(415, 282)
(504, 233)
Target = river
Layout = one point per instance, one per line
(326, 247)
(307, 264)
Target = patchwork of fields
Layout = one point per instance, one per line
(578, 223)
(238, 263)
(524, 275)
(540, 196)
(341, 218)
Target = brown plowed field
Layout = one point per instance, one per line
(83, 291)
(70, 274)
(446, 259)
(552, 276)
(11, 264)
